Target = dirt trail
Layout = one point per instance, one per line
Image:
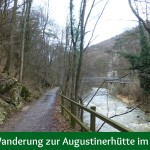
(36, 117)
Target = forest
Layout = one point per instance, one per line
(36, 53)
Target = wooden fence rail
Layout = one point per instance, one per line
(94, 115)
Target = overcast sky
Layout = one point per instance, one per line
(117, 17)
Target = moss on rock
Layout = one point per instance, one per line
(3, 104)
(25, 93)
(15, 93)
(2, 115)
(6, 83)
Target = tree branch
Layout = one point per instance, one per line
(102, 84)
(117, 115)
(93, 31)
(139, 18)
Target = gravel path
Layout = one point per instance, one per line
(35, 117)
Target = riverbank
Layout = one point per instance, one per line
(126, 100)
(145, 107)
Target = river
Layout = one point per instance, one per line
(108, 105)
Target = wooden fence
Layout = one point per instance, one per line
(93, 116)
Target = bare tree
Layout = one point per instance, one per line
(26, 14)
(141, 11)
(78, 31)
(11, 41)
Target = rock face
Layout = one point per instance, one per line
(6, 83)
(15, 95)
(2, 114)
(12, 95)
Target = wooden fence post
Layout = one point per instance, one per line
(81, 113)
(62, 102)
(81, 118)
(73, 112)
(92, 120)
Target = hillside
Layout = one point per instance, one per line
(103, 60)
(103, 57)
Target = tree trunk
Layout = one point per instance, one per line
(27, 6)
(82, 32)
(9, 61)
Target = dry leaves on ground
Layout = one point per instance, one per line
(59, 123)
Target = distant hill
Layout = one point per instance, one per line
(103, 58)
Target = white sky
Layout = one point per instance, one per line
(117, 17)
